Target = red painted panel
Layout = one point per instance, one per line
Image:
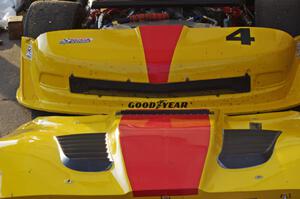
(159, 44)
(164, 154)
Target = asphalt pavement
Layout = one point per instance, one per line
(12, 115)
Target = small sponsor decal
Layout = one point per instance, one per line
(298, 49)
(162, 104)
(29, 52)
(75, 41)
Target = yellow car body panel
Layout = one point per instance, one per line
(118, 55)
(31, 166)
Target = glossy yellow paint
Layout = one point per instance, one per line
(31, 168)
(118, 55)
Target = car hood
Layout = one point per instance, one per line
(190, 154)
(164, 54)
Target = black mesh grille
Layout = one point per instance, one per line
(221, 86)
(85, 152)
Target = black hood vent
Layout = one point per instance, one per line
(247, 147)
(85, 152)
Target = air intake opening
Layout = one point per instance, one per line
(179, 89)
(85, 152)
(247, 148)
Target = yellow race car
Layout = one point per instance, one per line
(185, 99)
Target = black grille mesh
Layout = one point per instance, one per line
(232, 85)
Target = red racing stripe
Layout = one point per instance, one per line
(159, 44)
(164, 154)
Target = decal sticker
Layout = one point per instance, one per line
(298, 50)
(29, 52)
(243, 35)
(175, 147)
(159, 44)
(75, 41)
(158, 105)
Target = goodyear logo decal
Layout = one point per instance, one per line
(158, 105)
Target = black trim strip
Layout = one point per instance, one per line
(164, 112)
(160, 3)
(84, 152)
(180, 89)
(247, 147)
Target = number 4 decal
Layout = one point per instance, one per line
(243, 35)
